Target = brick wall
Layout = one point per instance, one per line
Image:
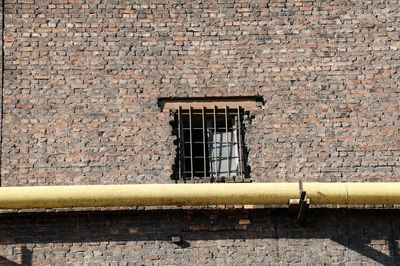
(216, 237)
(82, 79)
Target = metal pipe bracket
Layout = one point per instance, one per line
(300, 205)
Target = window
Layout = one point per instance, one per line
(210, 140)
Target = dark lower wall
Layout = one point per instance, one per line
(82, 80)
(217, 237)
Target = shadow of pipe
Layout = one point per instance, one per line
(367, 232)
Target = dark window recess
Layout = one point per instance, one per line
(210, 144)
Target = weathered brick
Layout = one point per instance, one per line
(81, 82)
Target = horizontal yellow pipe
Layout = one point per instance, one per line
(195, 194)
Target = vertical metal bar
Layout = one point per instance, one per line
(239, 139)
(228, 159)
(214, 160)
(204, 142)
(191, 142)
(181, 147)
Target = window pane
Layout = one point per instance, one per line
(223, 153)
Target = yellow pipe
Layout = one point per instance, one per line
(195, 194)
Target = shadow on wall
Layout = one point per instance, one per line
(26, 258)
(374, 234)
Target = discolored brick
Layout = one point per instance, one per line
(81, 79)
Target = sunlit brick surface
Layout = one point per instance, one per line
(82, 79)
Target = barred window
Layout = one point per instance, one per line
(210, 141)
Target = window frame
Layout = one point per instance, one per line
(244, 104)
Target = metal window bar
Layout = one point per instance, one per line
(216, 148)
(228, 160)
(191, 144)
(214, 139)
(217, 142)
(204, 142)
(209, 135)
(181, 147)
(239, 136)
(218, 157)
(200, 128)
